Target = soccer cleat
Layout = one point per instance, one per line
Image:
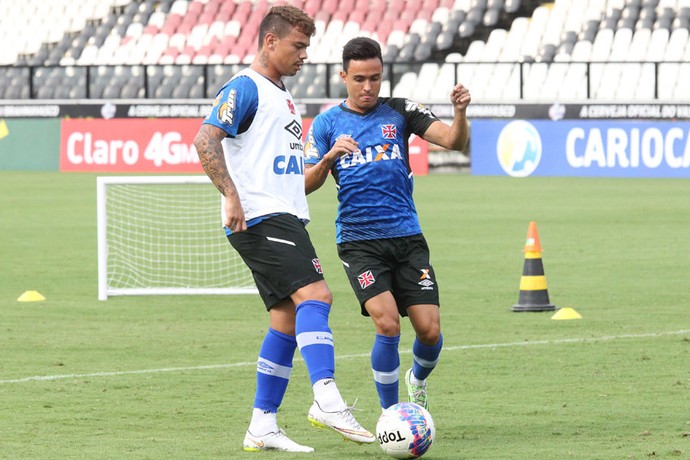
(272, 441)
(342, 422)
(416, 393)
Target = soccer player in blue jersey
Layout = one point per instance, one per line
(364, 143)
(250, 145)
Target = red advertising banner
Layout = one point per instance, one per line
(150, 145)
(129, 145)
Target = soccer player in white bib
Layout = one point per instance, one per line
(250, 145)
(364, 143)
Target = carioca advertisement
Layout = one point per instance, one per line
(587, 148)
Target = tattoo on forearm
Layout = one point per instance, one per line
(212, 160)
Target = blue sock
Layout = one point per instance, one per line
(315, 340)
(385, 363)
(425, 357)
(273, 369)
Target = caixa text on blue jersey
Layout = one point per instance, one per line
(371, 154)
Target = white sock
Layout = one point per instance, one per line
(415, 381)
(263, 422)
(327, 395)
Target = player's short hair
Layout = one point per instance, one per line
(361, 49)
(280, 21)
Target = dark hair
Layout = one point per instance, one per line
(280, 20)
(361, 49)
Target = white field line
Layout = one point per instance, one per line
(525, 343)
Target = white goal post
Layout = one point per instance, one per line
(162, 235)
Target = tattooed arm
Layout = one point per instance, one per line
(208, 146)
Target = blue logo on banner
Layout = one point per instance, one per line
(519, 148)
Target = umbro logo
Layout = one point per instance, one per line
(426, 284)
(295, 129)
(265, 366)
(425, 279)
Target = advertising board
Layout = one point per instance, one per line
(586, 148)
(128, 145)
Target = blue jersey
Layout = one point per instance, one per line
(374, 183)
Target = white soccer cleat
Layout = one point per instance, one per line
(272, 441)
(342, 422)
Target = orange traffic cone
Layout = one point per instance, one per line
(533, 293)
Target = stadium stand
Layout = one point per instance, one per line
(500, 49)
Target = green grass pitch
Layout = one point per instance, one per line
(173, 377)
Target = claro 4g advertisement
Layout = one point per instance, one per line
(587, 148)
(129, 145)
(149, 145)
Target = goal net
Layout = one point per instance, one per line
(163, 235)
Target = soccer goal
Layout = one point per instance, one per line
(162, 235)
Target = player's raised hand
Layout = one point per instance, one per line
(460, 97)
